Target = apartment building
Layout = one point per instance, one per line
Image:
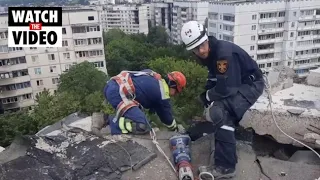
(184, 11)
(25, 72)
(172, 14)
(273, 32)
(161, 15)
(130, 18)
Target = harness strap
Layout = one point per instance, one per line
(127, 90)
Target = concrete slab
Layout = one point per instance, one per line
(299, 97)
(284, 170)
(247, 169)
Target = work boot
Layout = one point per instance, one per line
(223, 173)
(97, 123)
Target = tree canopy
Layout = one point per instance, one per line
(81, 88)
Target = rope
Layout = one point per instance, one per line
(155, 142)
(268, 89)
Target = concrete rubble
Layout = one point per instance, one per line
(296, 108)
(314, 78)
(68, 150)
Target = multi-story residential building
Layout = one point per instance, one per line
(184, 11)
(161, 15)
(25, 72)
(130, 19)
(273, 32)
(172, 15)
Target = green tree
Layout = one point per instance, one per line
(126, 54)
(82, 80)
(113, 34)
(158, 36)
(186, 104)
(52, 108)
(14, 124)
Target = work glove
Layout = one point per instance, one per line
(204, 100)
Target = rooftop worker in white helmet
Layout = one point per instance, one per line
(234, 84)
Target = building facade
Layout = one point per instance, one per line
(25, 72)
(273, 32)
(184, 11)
(172, 15)
(131, 19)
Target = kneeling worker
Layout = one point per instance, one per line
(234, 84)
(131, 91)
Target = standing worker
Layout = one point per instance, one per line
(234, 84)
(129, 92)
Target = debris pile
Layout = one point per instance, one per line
(296, 108)
(71, 155)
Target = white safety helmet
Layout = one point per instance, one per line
(193, 34)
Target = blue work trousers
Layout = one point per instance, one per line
(135, 114)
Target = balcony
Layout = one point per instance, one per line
(15, 67)
(12, 54)
(88, 47)
(306, 66)
(309, 17)
(19, 104)
(265, 51)
(17, 92)
(14, 80)
(269, 31)
(271, 20)
(267, 41)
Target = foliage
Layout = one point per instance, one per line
(15, 124)
(186, 104)
(51, 108)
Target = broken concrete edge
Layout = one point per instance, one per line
(58, 125)
(311, 113)
(262, 123)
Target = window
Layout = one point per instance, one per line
(294, 13)
(64, 31)
(253, 38)
(220, 36)
(220, 26)
(98, 64)
(55, 80)
(90, 18)
(261, 65)
(291, 34)
(33, 48)
(251, 48)
(79, 42)
(66, 55)
(268, 64)
(37, 70)
(51, 57)
(39, 82)
(67, 67)
(254, 17)
(35, 58)
(3, 48)
(53, 69)
(65, 43)
(292, 24)
(253, 27)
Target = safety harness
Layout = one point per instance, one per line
(127, 93)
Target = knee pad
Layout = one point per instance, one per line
(140, 128)
(216, 115)
(128, 126)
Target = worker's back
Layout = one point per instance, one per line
(148, 92)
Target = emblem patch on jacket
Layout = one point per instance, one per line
(222, 66)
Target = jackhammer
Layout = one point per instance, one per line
(180, 146)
